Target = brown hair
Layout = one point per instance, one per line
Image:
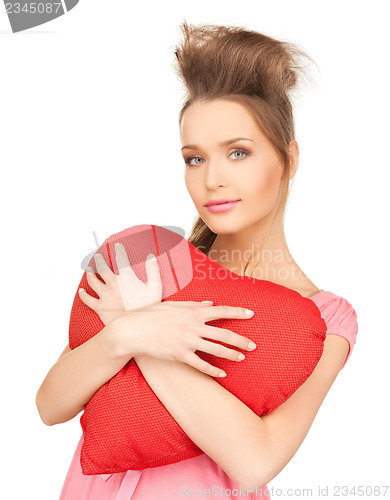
(255, 70)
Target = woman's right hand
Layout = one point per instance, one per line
(174, 330)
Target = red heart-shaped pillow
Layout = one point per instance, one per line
(125, 425)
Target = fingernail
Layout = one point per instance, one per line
(251, 345)
(151, 257)
(248, 312)
(81, 290)
(222, 374)
(207, 302)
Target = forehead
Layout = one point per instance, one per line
(217, 121)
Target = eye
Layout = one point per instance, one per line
(187, 161)
(239, 150)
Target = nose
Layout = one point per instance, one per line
(214, 176)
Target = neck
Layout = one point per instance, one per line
(258, 251)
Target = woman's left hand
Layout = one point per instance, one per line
(121, 292)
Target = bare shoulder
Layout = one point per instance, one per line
(303, 285)
(306, 289)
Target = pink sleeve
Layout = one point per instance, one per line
(340, 317)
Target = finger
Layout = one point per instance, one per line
(103, 269)
(202, 365)
(190, 302)
(228, 337)
(218, 312)
(220, 350)
(87, 299)
(152, 270)
(123, 262)
(94, 282)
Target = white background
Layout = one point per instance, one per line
(90, 142)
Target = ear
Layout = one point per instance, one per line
(293, 151)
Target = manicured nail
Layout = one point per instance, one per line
(251, 345)
(151, 257)
(222, 374)
(207, 302)
(81, 290)
(248, 312)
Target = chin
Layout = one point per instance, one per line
(228, 226)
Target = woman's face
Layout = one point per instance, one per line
(247, 170)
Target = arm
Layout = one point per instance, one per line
(219, 423)
(77, 375)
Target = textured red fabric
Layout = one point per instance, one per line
(125, 426)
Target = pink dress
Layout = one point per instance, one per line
(198, 476)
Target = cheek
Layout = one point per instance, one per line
(265, 185)
(187, 181)
(192, 185)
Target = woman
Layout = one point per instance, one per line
(238, 138)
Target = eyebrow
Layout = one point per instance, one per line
(220, 144)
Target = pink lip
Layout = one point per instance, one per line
(222, 207)
(217, 202)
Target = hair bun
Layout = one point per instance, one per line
(214, 59)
